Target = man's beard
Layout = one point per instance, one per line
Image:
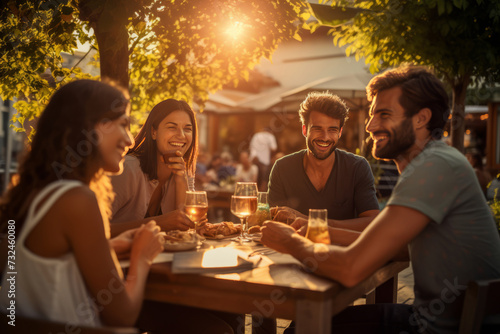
(320, 155)
(401, 139)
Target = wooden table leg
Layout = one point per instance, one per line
(370, 297)
(388, 291)
(313, 317)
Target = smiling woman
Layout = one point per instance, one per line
(60, 257)
(154, 180)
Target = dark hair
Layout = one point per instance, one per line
(420, 89)
(65, 144)
(145, 147)
(325, 103)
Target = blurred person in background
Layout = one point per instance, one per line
(202, 164)
(213, 168)
(483, 176)
(246, 171)
(263, 145)
(227, 170)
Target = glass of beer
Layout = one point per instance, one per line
(196, 205)
(317, 226)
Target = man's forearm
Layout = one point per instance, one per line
(300, 247)
(355, 224)
(327, 260)
(342, 237)
(402, 255)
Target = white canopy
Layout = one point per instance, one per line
(298, 67)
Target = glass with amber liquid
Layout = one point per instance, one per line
(243, 204)
(196, 205)
(317, 226)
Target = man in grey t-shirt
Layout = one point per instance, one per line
(437, 212)
(323, 177)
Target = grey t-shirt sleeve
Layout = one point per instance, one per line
(365, 196)
(430, 187)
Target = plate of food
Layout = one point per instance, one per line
(219, 231)
(176, 240)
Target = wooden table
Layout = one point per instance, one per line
(277, 291)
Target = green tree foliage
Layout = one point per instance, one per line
(177, 48)
(457, 38)
(33, 35)
(194, 47)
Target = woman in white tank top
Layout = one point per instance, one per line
(66, 267)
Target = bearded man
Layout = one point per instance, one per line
(436, 217)
(322, 176)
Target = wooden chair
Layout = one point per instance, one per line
(25, 325)
(481, 300)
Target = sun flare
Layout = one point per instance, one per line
(235, 30)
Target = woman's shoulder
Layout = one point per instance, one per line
(78, 218)
(131, 169)
(78, 196)
(132, 161)
(63, 189)
(77, 201)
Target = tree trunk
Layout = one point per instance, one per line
(112, 40)
(109, 21)
(458, 113)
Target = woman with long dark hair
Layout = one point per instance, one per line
(153, 186)
(57, 214)
(154, 180)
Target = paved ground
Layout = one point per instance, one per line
(405, 296)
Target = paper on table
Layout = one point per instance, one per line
(271, 257)
(216, 260)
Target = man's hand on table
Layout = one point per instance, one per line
(278, 236)
(285, 214)
(300, 225)
(174, 220)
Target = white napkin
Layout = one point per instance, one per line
(225, 259)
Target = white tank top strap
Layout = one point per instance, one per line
(33, 217)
